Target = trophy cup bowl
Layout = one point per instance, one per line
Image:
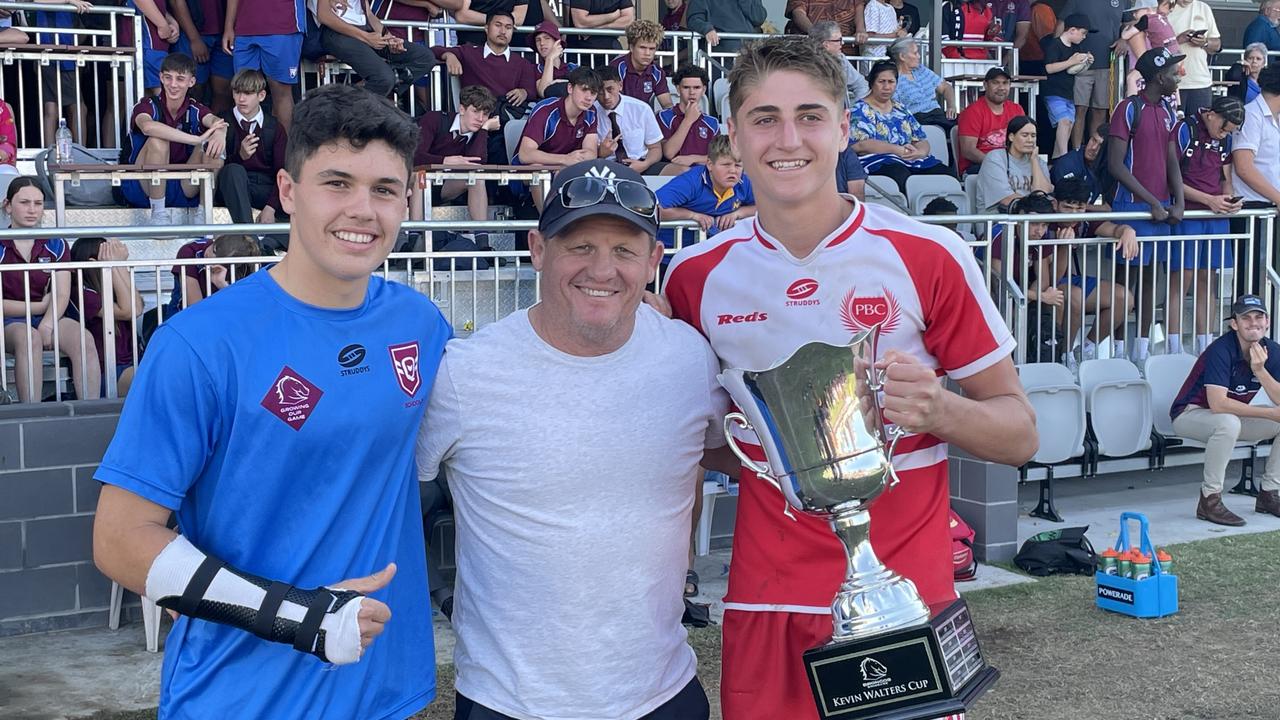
(828, 451)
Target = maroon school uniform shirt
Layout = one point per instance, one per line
(436, 141)
(1202, 158)
(264, 160)
(1148, 138)
(199, 273)
(497, 73)
(93, 321)
(550, 128)
(394, 10)
(215, 13)
(643, 84)
(698, 140)
(44, 251)
(178, 152)
(271, 17)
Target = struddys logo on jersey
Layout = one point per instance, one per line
(292, 398)
(404, 358)
(800, 293)
(862, 312)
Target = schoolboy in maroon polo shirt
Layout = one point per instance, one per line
(493, 66)
(562, 131)
(642, 78)
(687, 132)
(457, 140)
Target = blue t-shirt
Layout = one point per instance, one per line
(848, 168)
(282, 435)
(918, 93)
(1225, 365)
(692, 190)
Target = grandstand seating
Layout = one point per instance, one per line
(1118, 402)
(1059, 405)
(922, 189)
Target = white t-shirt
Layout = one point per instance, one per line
(573, 483)
(639, 125)
(1261, 134)
(353, 15)
(1196, 16)
(880, 18)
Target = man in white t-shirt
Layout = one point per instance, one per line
(814, 265)
(1198, 38)
(357, 37)
(571, 435)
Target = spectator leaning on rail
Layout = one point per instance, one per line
(1204, 144)
(240, 407)
(981, 127)
(970, 21)
(1255, 165)
(882, 28)
(920, 89)
(173, 129)
(1150, 29)
(1263, 28)
(827, 32)
(1198, 38)
(803, 15)
(36, 301)
(642, 77)
(357, 37)
(1143, 156)
(886, 136)
(709, 18)
(1216, 406)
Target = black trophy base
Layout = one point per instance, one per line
(922, 672)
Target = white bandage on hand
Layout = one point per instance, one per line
(234, 598)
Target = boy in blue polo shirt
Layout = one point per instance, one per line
(277, 419)
(716, 195)
(1215, 406)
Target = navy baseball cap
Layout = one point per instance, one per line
(1247, 304)
(996, 72)
(1155, 60)
(598, 187)
(1078, 20)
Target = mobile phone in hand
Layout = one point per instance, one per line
(1235, 199)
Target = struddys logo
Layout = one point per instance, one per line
(292, 398)
(874, 673)
(863, 312)
(404, 358)
(801, 293)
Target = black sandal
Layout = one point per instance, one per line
(691, 584)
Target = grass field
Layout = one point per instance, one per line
(1063, 659)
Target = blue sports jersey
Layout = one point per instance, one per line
(693, 191)
(283, 436)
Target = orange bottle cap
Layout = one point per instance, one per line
(1110, 552)
(1163, 556)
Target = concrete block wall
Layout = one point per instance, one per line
(48, 454)
(986, 496)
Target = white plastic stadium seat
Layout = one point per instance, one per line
(1118, 401)
(150, 617)
(881, 190)
(656, 181)
(720, 94)
(1060, 422)
(711, 489)
(922, 189)
(511, 135)
(938, 145)
(1165, 374)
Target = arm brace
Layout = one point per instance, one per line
(322, 621)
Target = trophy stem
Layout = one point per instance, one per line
(873, 598)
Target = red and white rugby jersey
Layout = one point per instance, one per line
(756, 304)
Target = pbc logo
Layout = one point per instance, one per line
(735, 319)
(859, 313)
(404, 358)
(801, 292)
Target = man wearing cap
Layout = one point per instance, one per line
(981, 126)
(553, 69)
(573, 473)
(1092, 86)
(1216, 406)
(1143, 158)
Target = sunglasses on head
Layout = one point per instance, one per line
(588, 190)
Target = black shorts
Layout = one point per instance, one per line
(688, 704)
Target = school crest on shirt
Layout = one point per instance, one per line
(862, 312)
(404, 358)
(292, 397)
(648, 86)
(702, 132)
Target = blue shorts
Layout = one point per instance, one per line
(1087, 283)
(1211, 254)
(35, 320)
(219, 62)
(136, 195)
(151, 60)
(1144, 229)
(277, 56)
(1060, 109)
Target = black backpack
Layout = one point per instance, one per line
(1053, 552)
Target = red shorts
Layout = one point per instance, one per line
(762, 673)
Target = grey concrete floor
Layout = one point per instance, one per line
(77, 673)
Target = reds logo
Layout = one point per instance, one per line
(862, 313)
(404, 358)
(802, 288)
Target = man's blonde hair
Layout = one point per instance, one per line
(645, 31)
(796, 53)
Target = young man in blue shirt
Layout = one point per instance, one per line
(277, 420)
(1215, 406)
(716, 195)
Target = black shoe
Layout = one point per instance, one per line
(446, 608)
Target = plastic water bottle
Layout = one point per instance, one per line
(62, 147)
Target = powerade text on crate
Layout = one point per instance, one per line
(1142, 585)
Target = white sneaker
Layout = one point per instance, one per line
(161, 217)
(197, 215)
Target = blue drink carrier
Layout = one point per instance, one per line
(1154, 596)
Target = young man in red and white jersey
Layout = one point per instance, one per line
(817, 265)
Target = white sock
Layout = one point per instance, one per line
(1117, 348)
(1174, 344)
(1202, 342)
(157, 205)
(1088, 349)
(1142, 348)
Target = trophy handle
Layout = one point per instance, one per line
(895, 434)
(758, 468)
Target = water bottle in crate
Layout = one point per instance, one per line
(1147, 589)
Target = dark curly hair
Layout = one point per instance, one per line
(348, 114)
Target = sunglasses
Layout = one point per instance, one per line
(581, 192)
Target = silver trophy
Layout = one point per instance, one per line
(819, 422)
(818, 418)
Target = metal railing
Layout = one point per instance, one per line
(107, 79)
